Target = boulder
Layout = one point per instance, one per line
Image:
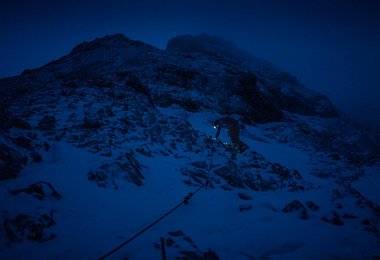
(11, 162)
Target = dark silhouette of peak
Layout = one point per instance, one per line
(114, 41)
(206, 44)
(202, 62)
(214, 46)
(290, 94)
(100, 57)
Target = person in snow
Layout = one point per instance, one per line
(233, 129)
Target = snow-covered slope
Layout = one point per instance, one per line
(100, 143)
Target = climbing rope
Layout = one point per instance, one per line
(185, 201)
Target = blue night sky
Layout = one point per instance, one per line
(331, 46)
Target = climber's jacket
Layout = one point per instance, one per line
(232, 126)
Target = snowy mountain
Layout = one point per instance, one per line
(100, 143)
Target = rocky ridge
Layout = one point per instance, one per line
(111, 97)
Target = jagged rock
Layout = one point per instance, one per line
(186, 250)
(36, 157)
(107, 154)
(23, 142)
(21, 124)
(283, 90)
(70, 84)
(177, 233)
(245, 207)
(296, 206)
(349, 216)
(335, 219)
(369, 226)
(6, 119)
(46, 146)
(226, 187)
(109, 173)
(281, 170)
(366, 222)
(230, 173)
(31, 135)
(241, 176)
(251, 182)
(300, 100)
(209, 255)
(200, 164)
(93, 121)
(296, 174)
(336, 195)
(31, 228)
(39, 190)
(47, 123)
(244, 196)
(166, 100)
(177, 76)
(181, 234)
(311, 205)
(133, 82)
(373, 229)
(11, 162)
(196, 174)
(170, 242)
(261, 108)
(145, 150)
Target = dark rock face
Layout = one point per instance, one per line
(260, 107)
(281, 171)
(195, 72)
(21, 124)
(296, 206)
(199, 164)
(285, 91)
(229, 175)
(40, 190)
(8, 121)
(205, 65)
(334, 219)
(31, 228)
(244, 196)
(311, 205)
(300, 100)
(23, 142)
(185, 247)
(245, 207)
(47, 123)
(108, 174)
(11, 162)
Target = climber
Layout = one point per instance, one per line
(232, 126)
(233, 129)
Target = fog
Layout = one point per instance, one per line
(332, 47)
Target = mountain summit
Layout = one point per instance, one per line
(96, 144)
